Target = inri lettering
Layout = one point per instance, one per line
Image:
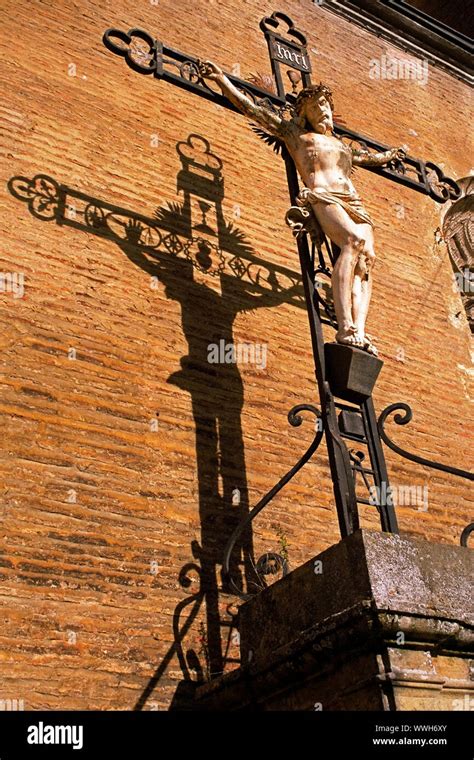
(291, 55)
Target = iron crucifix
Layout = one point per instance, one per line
(312, 146)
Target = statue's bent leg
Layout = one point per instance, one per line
(351, 238)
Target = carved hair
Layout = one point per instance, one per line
(313, 91)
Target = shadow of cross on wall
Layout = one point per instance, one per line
(206, 264)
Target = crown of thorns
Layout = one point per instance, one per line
(311, 92)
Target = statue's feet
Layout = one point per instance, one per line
(348, 336)
(369, 345)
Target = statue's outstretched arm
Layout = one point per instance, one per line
(266, 118)
(366, 158)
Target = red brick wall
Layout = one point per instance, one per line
(104, 511)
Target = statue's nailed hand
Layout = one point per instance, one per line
(400, 153)
(210, 70)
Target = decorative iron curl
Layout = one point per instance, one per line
(267, 563)
(404, 420)
(189, 70)
(294, 417)
(112, 37)
(270, 563)
(466, 533)
(441, 187)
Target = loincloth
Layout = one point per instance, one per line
(349, 201)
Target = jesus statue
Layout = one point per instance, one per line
(324, 163)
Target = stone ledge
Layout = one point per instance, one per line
(394, 574)
(379, 620)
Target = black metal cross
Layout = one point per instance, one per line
(347, 420)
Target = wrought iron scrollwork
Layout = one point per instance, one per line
(188, 70)
(426, 177)
(404, 420)
(137, 57)
(441, 188)
(271, 24)
(270, 562)
(147, 55)
(301, 220)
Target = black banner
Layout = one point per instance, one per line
(317, 734)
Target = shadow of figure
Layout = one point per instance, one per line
(217, 400)
(175, 250)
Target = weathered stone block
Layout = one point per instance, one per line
(362, 626)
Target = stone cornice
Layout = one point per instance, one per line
(407, 34)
